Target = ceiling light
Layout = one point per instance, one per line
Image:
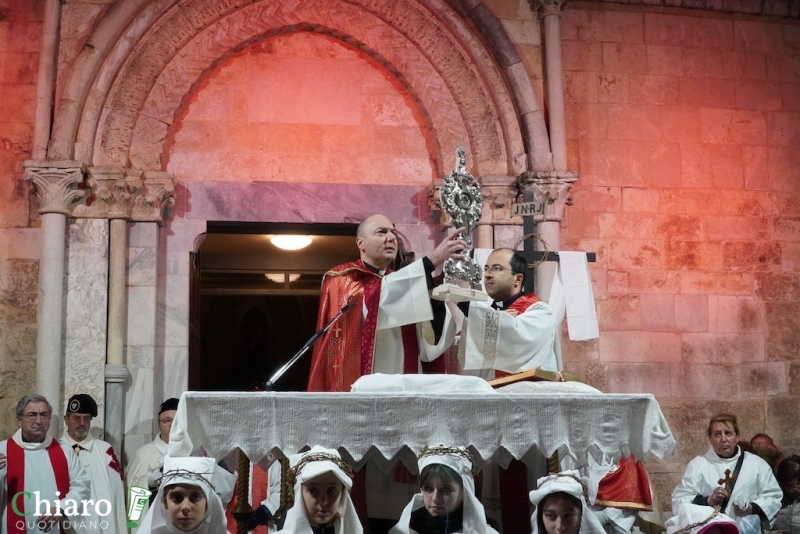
(281, 278)
(291, 242)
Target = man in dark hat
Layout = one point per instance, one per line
(144, 470)
(101, 464)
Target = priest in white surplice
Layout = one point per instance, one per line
(392, 324)
(515, 331)
(39, 468)
(755, 496)
(145, 468)
(101, 464)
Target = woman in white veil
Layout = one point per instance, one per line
(322, 504)
(186, 502)
(446, 502)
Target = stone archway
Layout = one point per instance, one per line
(121, 98)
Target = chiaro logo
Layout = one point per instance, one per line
(63, 507)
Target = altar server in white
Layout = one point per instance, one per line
(100, 463)
(186, 501)
(750, 495)
(322, 482)
(446, 501)
(144, 470)
(41, 469)
(561, 506)
(515, 331)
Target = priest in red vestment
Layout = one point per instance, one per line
(392, 324)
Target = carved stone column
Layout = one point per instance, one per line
(114, 190)
(55, 184)
(552, 187)
(551, 15)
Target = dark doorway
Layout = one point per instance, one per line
(255, 305)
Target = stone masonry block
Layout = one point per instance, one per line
(612, 88)
(778, 287)
(640, 123)
(703, 63)
(617, 281)
(723, 314)
(754, 36)
(784, 229)
(654, 90)
(748, 127)
(665, 60)
(710, 202)
(680, 226)
(750, 315)
(619, 27)
(653, 281)
(600, 199)
(632, 163)
(631, 58)
(707, 92)
(790, 92)
(627, 225)
(639, 200)
(782, 163)
(783, 68)
(727, 168)
(18, 308)
(580, 86)
(575, 22)
(764, 379)
(706, 381)
(717, 283)
(586, 57)
(19, 275)
(619, 312)
(715, 125)
(739, 65)
(693, 255)
(639, 378)
(722, 348)
(758, 95)
(752, 256)
(696, 167)
(739, 228)
(783, 128)
(794, 378)
(636, 254)
(781, 421)
(658, 312)
(678, 30)
(756, 175)
(691, 313)
(782, 334)
(586, 120)
(680, 124)
(578, 351)
(638, 346)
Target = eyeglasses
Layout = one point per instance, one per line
(33, 416)
(165, 421)
(496, 269)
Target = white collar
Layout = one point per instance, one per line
(27, 445)
(85, 444)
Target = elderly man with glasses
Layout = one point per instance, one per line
(516, 331)
(43, 484)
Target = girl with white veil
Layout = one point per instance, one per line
(322, 504)
(561, 508)
(446, 503)
(186, 502)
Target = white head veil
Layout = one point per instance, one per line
(568, 482)
(311, 464)
(456, 458)
(194, 471)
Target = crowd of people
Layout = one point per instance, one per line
(76, 483)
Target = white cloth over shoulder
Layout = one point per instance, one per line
(494, 339)
(195, 471)
(566, 482)
(474, 516)
(405, 300)
(97, 458)
(754, 484)
(572, 292)
(346, 521)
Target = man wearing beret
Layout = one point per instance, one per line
(101, 464)
(144, 470)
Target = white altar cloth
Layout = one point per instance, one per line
(394, 427)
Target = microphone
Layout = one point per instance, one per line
(351, 301)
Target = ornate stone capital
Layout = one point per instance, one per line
(114, 190)
(56, 184)
(549, 7)
(157, 196)
(553, 187)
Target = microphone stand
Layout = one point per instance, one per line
(269, 384)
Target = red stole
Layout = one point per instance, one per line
(347, 350)
(15, 480)
(520, 305)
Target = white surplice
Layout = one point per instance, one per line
(754, 484)
(39, 477)
(149, 457)
(102, 466)
(494, 339)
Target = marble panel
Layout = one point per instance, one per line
(507, 236)
(173, 313)
(176, 371)
(139, 402)
(139, 357)
(304, 202)
(141, 316)
(86, 313)
(84, 365)
(141, 266)
(180, 234)
(20, 243)
(143, 234)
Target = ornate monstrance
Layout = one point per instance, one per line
(462, 200)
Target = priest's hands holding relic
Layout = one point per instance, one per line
(452, 246)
